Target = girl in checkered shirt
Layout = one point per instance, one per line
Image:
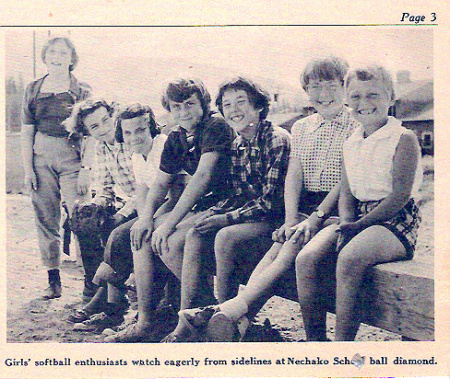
(378, 217)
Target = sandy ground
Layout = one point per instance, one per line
(32, 320)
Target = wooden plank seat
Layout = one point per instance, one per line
(397, 296)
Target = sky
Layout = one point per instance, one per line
(277, 53)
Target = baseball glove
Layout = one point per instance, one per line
(91, 219)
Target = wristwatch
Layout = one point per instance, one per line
(320, 213)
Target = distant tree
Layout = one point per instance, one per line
(13, 102)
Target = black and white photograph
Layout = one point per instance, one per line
(220, 186)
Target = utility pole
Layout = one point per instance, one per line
(34, 54)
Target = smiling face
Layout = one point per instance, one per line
(100, 125)
(326, 96)
(136, 134)
(238, 111)
(58, 57)
(187, 114)
(369, 101)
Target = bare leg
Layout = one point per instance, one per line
(373, 245)
(310, 282)
(194, 271)
(227, 250)
(145, 272)
(274, 264)
(173, 259)
(192, 274)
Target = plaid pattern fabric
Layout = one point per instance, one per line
(258, 171)
(404, 225)
(114, 167)
(318, 144)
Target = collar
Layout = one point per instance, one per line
(74, 86)
(384, 132)
(116, 146)
(320, 121)
(264, 127)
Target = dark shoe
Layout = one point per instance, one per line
(53, 291)
(98, 322)
(78, 316)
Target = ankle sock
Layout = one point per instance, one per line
(234, 308)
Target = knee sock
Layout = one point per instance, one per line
(234, 308)
(53, 276)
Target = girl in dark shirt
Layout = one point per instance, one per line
(199, 145)
(52, 162)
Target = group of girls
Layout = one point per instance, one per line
(332, 199)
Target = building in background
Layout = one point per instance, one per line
(414, 106)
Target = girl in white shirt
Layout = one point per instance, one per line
(378, 216)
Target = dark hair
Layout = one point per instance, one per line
(372, 72)
(51, 41)
(181, 89)
(257, 96)
(327, 68)
(137, 110)
(75, 123)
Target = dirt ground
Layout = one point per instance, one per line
(32, 320)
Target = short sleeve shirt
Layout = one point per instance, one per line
(78, 90)
(183, 153)
(318, 142)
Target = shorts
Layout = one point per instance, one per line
(405, 224)
(309, 201)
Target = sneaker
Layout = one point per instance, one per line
(125, 324)
(53, 291)
(78, 316)
(197, 319)
(130, 334)
(98, 322)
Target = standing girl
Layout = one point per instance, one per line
(51, 161)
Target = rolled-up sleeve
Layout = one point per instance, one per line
(27, 113)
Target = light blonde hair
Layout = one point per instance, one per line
(372, 71)
(52, 40)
